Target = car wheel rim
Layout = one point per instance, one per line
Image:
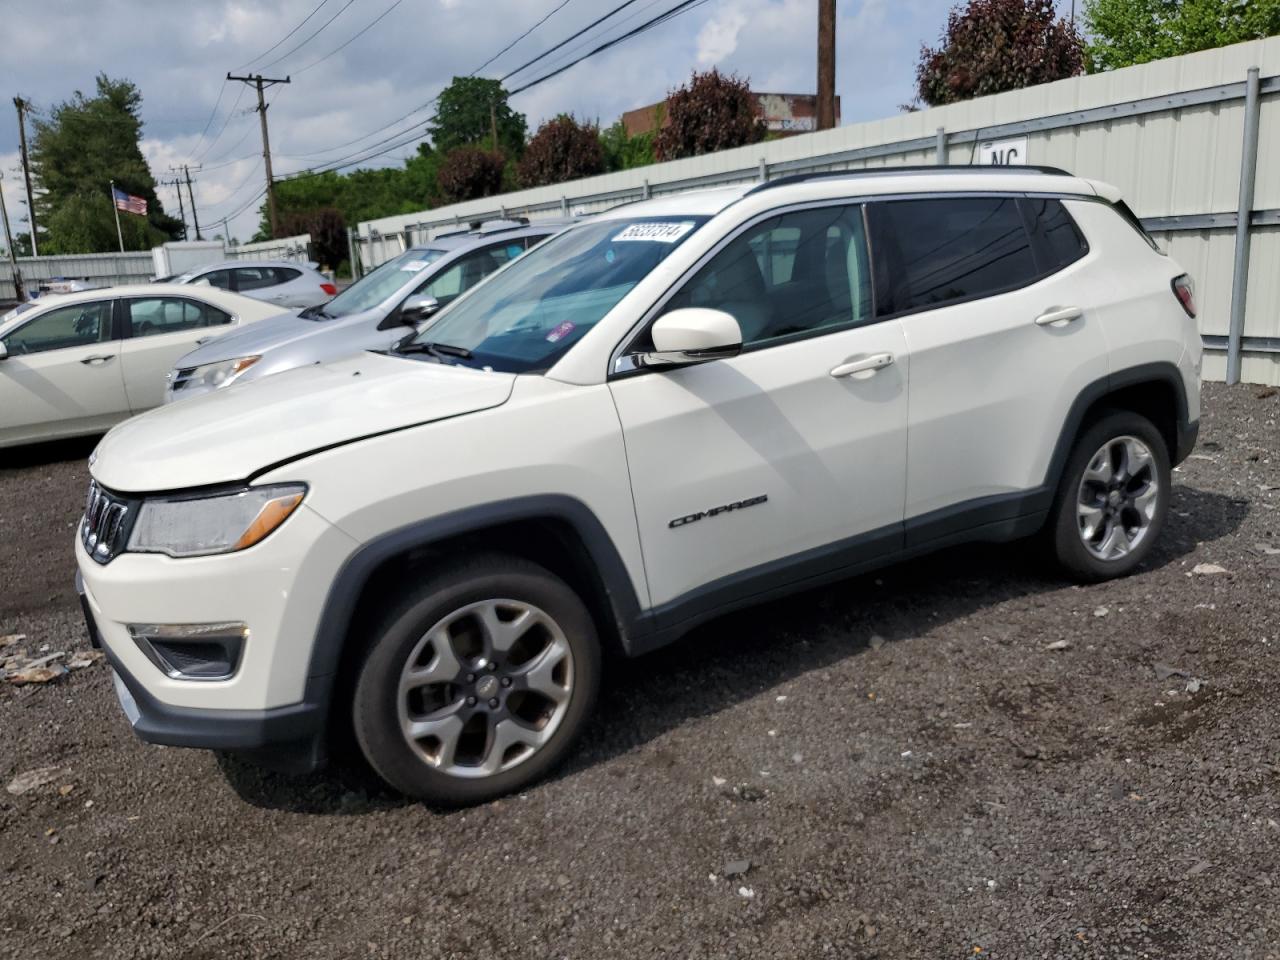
(485, 688)
(1117, 498)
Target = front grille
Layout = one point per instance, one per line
(180, 378)
(104, 530)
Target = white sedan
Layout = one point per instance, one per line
(77, 364)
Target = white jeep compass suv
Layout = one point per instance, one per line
(679, 407)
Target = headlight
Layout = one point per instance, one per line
(219, 374)
(199, 526)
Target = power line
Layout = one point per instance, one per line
(354, 36)
(679, 8)
(220, 158)
(208, 123)
(546, 53)
(554, 10)
(309, 38)
(427, 105)
(222, 129)
(282, 39)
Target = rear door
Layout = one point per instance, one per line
(62, 375)
(999, 315)
(157, 331)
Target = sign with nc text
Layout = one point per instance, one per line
(1003, 153)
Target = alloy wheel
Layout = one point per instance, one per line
(485, 688)
(1117, 498)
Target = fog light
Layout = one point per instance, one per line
(192, 651)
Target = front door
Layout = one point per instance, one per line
(62, 375)
(781, 463)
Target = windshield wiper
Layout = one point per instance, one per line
(440, 351)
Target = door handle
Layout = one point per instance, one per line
(877, 361)
(99, 358)
(1062, 315)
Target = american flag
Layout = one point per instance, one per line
(129, 203)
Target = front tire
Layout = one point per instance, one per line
(1113, 498)
(478, 683)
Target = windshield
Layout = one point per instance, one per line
(527, 316)
(380, 283)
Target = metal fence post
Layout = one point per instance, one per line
(940, 145)
(645, 194)
(1244, 217)
(352, 261)
(764, 171)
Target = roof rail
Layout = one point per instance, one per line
(894, 171)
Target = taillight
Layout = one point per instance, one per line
(329, 288)
(1185, 291)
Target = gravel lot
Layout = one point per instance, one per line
(908, 769)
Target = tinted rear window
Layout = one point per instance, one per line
(933, 252)
(1058, 240)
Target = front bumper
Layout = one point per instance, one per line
(290, 739)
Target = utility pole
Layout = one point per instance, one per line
(182, 210)
(18, 290)
(178, 184)
(261, 82)
(22, 107)
(826, 64)
(493, 123)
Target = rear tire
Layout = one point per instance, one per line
(478, 683)
(1112, 499)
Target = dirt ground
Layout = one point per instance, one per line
(907, 766)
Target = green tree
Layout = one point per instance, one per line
(715, 111)
(85, 144)
(991, 46)
(468, 110)
(1125, 32)
(561, 150)
(623, 152)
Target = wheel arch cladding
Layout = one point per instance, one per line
(1154, 390)
(558, 532)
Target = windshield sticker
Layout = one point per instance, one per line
(413, 266)
(655, 232)
(560, 332)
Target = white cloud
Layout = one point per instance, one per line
(719, 36)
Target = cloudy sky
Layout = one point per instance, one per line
(342, 101)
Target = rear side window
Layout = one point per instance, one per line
(255, 278)
(936, 251)
(156, 316)
(285, 274)
(1058, 241)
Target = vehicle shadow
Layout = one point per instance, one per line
(47, 452)
(736, 656)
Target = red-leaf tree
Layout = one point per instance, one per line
(561, 150)
(715, 111)
(467, 173)
(995, 45)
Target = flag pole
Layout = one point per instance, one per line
(119, 235)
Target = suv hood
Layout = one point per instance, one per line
(230, 435)
(258, 338)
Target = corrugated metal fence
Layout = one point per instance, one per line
(1170, 134)
(296, 249)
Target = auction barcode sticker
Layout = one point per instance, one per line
(655, 232)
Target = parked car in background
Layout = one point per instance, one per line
(75, 364)
(282, 282)
(679, 408)
(374, 313)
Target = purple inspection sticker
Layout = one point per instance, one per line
(560, 332)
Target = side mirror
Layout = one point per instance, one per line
(692, 335)
(4, 351)
(416, 309)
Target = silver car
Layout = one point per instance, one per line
(282, 282)
(374, 313)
